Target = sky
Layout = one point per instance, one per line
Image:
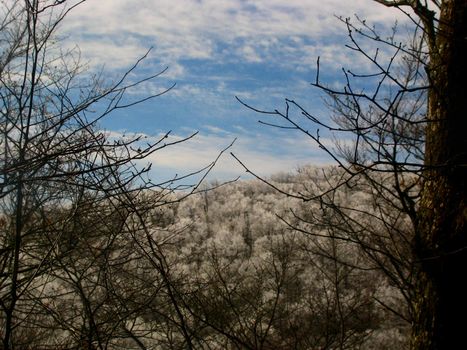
(260, 51)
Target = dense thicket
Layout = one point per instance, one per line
(258, 275)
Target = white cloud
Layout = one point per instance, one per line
(111, 54)
(261, 154)
(288, 34)
(249, 54)
(192, 29)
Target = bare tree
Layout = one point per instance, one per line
(73, 202)
(409, 151)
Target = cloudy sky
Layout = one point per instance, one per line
(262, 51)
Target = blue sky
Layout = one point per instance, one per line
(261, 51)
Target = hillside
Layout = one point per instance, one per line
(240, 266)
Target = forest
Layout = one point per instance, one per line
(363, 253)
(224, 273)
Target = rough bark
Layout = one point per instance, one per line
(440, 301)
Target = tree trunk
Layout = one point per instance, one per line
(440, 292)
